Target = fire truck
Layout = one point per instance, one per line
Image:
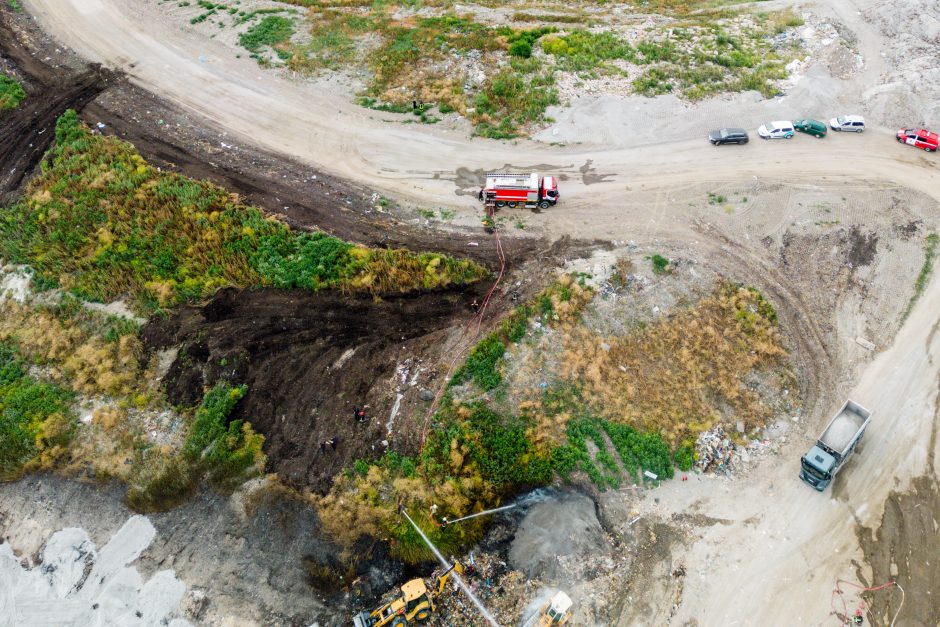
(530, 190)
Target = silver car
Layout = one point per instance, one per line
(852, 123)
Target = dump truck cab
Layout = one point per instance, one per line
(816, 468)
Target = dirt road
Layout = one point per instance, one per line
(429, 165)
(777, 558)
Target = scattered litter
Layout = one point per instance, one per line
(717, 454)
(866, 344)
(651, 475)
(101, 125)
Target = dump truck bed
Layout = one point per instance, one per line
(840, 433)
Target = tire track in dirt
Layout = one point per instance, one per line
(27, 131)
(810, 349)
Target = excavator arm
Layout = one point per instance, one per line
(442, 580)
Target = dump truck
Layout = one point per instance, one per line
(820, 465)
(415, 604)
(530, 190)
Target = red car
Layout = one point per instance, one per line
(919, 138)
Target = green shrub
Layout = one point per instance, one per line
(640, 451)
(481, 364)
(270, 31)
(34, 416)
(660, 264)
(520, 49)
(502, 452)
(685, 457)
(11, 92)
(228, 449)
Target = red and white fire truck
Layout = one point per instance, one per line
(530, 190)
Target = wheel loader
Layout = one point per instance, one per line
(556, 612)
(415, 604)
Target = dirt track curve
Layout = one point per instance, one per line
(774, 561)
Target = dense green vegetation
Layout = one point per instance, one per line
(227, 452)
(103, 223)
(35, 417)
(227, 449)
(272, 31)
(11, 92)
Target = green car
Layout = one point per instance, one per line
(811, 127)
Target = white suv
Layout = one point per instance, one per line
(776, 130)
(854, 123)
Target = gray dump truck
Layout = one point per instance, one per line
(837, 442)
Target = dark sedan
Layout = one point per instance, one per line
(728, 136)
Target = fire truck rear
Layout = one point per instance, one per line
(530, 190)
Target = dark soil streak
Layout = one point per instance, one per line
(27, 131)
(287, 347)
(905, 550)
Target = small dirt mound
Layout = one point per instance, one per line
(565, 529)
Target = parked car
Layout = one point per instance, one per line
(781, 129)
(919, 138)
(854, 123)
(811, 127)
(728, 136)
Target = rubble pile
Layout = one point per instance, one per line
(718, 454)
(501, 590)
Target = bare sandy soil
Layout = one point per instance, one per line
(763, 549)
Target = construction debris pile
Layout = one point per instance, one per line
(502, 590)
(718, 454)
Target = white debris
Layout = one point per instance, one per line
(77, 585)
(866, 344)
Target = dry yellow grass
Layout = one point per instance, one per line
(679, 375)
(82, 360)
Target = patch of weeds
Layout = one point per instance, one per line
(11, 92)
(556, 18)
(159, 481)
(930, 254)
(716, 199)
(36, 421)
(428, 214)
(481, 365)
(271, 31)
(521, 42)
(660, 264)
(582, 50)
(229, 450)
(388, 107)
(520, 224)
(15, 6)
(513, 98)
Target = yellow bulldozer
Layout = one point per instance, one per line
(415, 604)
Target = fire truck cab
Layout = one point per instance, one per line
(530, 190)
